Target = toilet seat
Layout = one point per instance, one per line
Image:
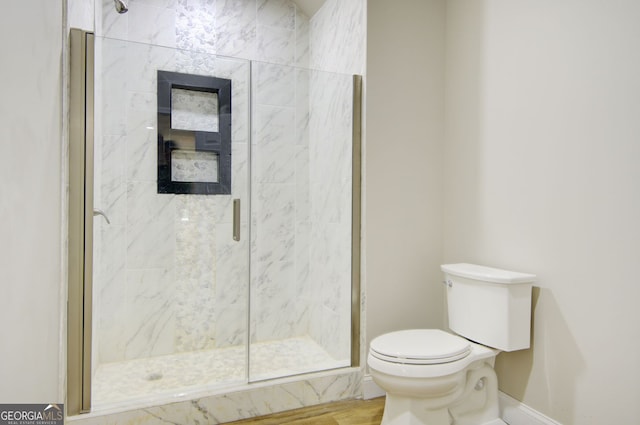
(420, 347)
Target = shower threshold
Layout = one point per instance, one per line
(176, 374)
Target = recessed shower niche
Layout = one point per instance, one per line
(194, 134)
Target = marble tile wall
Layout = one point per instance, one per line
(174, 291)
(81, 14)
(171, 258)
(337, 45)
(199, 297)
(337, 37)
(278, 306)
(330, 189)
(264, 30)
(169, 277)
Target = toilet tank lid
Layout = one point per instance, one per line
(487, 274)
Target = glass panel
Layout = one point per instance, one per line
(170, 283)
(300, 302)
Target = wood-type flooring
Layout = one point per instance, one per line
(350, 412)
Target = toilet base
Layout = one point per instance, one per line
(407, 411)
(410, 411)
(474, 401)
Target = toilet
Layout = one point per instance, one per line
(434, 377)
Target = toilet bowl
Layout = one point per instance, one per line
(434, 377)
(426, 373)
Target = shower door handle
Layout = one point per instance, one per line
(236, 219)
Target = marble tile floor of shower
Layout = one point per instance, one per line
(173, 374)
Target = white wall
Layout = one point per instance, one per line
(405, 125)
(542, 176)
(31, 203)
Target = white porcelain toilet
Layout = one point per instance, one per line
(433, 377)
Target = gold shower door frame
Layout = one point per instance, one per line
(79, 301)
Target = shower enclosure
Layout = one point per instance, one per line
(216, 218)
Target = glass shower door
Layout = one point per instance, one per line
(222, 236)
(171, 238)
(301, 219)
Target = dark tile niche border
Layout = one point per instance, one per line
(170, 139)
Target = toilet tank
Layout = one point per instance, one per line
(489, 306)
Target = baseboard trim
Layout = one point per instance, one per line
(512, 411)
(515, 412)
